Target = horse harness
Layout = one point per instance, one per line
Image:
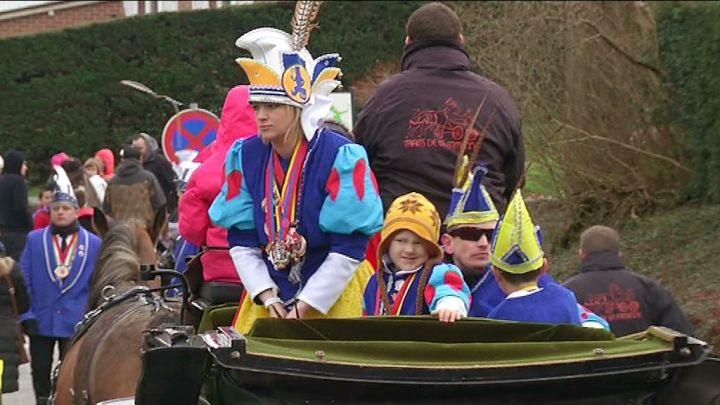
(142, 293)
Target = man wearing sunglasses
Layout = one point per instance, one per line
(470, 225)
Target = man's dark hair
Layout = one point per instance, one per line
(45, 189)
(128, 152)
(516, 279)
(599, 238)
(433, 21)
(130, 139)
(74, 169)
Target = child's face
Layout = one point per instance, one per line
(46, 198)
(91, 171)
(408, 251)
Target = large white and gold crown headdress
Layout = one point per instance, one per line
(283, 71)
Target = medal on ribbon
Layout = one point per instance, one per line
(64, 258)
(61, 272)
(286, 245)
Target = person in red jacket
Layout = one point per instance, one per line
(41, 217)
(236, 122)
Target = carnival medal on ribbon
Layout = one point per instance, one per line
(286, 246)
(64, 258)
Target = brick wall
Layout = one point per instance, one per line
(64, 18)
(184, 5)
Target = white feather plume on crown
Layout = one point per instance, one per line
(62, 181)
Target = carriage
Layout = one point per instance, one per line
(415, 360)
(419, 360)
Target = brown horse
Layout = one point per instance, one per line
(105, 359)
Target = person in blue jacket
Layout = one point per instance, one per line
(470, 226)
(57, 263)
(518, 262)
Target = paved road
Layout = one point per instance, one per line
(25, 396)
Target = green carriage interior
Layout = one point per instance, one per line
(424, 342)
(410, 341)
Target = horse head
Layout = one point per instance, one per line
(104, 361)
(128, 244)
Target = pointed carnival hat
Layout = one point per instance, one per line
(517, 244)
(283, 71)
(471, 204)
(63, 192)
(412, 212)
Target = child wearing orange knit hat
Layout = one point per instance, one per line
(411, 278)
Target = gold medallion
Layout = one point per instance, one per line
(62, 271)
(296, 243)
(278, 254)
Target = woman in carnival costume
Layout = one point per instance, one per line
(299, 200)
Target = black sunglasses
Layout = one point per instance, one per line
(472, 234)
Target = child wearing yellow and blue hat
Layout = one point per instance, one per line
(518, 262)
(411, 278)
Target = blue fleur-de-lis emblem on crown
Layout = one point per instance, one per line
(299, 89)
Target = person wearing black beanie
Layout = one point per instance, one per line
(15, 220)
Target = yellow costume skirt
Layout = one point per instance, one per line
(349, 304)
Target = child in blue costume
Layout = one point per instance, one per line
(470, 227)
(518, 261)
(411, 279)
(299, 200)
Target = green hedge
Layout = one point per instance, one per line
(61, 91)
(689, 36)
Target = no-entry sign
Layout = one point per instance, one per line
(193, 129)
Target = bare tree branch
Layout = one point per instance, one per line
(613, 44)
(588, 135)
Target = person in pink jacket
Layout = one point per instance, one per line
(108, 159)
(236, 122)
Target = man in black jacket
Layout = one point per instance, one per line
(630, 302)
(10, 339)
(413, 126)
(15, 220)
(154, 162)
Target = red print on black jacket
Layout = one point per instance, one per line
(617, 304)
(443, 128)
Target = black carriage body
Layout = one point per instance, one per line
(257, 369)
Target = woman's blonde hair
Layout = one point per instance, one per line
(96, 163)
(295, 129)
